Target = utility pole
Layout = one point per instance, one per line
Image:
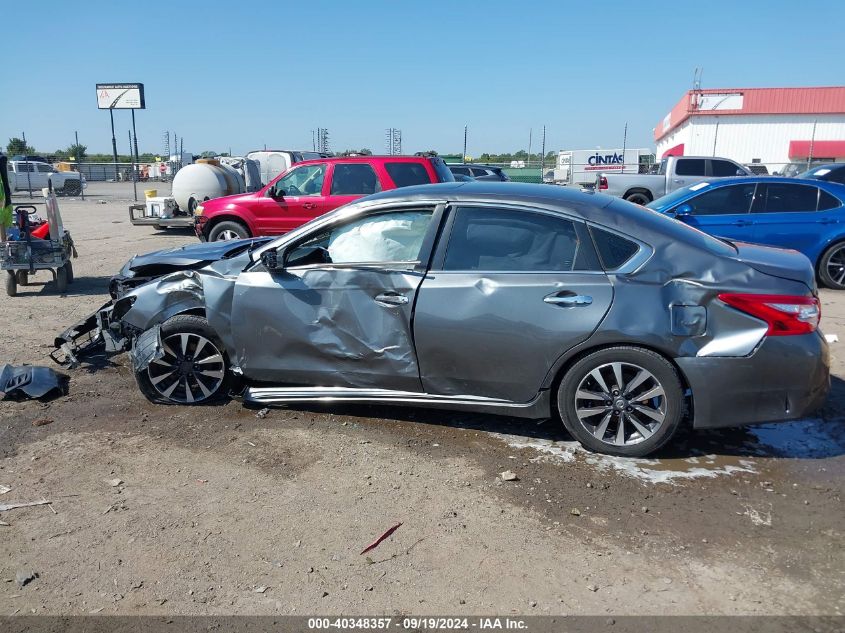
(465, 143)
(79, 167)
(624, 145)
(134, 173)
(809, 154)
(543, 154)
(26, 162)
(530, 139)
(113, 142)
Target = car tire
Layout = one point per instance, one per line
(69, 271)
(591, 402)
(168, 381)
(227, 230)
(11, 283)
(638, 197)
(832, 266)
(61, 280)
(192, 205)
(22, 277)
(72, 188)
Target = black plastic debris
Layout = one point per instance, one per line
(31, 381)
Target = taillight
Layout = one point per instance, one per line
(602, 182)
(785, 314)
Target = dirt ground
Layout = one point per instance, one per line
(219, 511)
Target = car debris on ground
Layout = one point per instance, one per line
(26, 504)
(31, 381)
(381, 538)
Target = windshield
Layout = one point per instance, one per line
(671, 199)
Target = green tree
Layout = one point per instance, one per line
(77, 151)
(17, 146)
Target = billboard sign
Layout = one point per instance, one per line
(120, 96)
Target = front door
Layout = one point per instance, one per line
(516, 289)
(722, 212)
(297, 197)
(339, 313)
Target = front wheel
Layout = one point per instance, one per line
(228, 230)
(194, 368)
(621, 401)
(61, 280)
(11, 283)
(639, 198)
(832, 267)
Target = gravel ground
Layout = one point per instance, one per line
(219, 511)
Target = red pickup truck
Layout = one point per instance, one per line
(309, 189)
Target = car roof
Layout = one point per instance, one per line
(366, 159)
(472, 165)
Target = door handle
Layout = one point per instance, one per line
(391, 299)
(679, 181)
(743, 223)
(309, 205)
(568, 301)
(828, 221)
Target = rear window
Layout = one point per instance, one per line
(409, 174)
(442, 171)
(827, 201)
(690, 167)
(724, 169)
(613, 249)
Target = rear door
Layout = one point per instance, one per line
(295, 198)
(509, 292)
(792, 215)
(688, 171)
(350, 181)
(722, 211)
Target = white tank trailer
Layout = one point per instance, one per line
(204, 180)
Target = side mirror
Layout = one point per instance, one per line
(741, 172)
(684, 209)
(308, 256)
(275, 193)
(270, 259)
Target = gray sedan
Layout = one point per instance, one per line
(522, 300)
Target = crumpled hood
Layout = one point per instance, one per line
(185, 257)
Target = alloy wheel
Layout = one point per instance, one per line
(620, 403)
(191, 370)
(227, 235)
(836, 265)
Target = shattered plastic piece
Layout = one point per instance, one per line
(831, 338)
(31, 381)
(114, 483)
(147, 348)
(378, 541)
(508, 475)
(23, 578)
(5, 489)
(26, 504)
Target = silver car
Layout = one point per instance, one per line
(523, 300)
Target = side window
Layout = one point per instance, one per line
(354, 179)
(724, 169)
(613, 249)
(463, 171)
(478, 171)
(513, 241)
(690, 167)
(44, 169)
(723, 200)
(827, 201)
(386, 237)
(24, 167)
(788, 198)
(301, 181)
(407, 174)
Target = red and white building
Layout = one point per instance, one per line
(772, 126)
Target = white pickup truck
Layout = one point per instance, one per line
(34, 176)
(673, 172)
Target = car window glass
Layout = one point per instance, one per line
(387, 237)
(788, 197)
(837, 175)
(690, 167)
(22, 167)
(302, 181)
(722, 200)
(461, 170)
(511, 241)
(354, 179)
(407, 174)
(723, 168)
(827, 201)
(443, 173)
(477, 171)
(44, 169)
(613, 249)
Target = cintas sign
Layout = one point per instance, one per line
(606, 159)
(120, 96)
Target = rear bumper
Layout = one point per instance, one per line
(787, 377)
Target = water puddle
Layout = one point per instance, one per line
(706, 454)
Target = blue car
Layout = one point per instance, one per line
(804, 215)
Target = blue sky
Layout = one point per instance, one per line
(246, 74)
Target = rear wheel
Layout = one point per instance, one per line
(11, 284)
(227, 230)
(638, 197)
(22, 277)
(194, 368)
(69, 271)
(621, 401)
(832, 267)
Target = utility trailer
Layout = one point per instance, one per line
(162, 213)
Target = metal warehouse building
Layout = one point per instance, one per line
(772, 126)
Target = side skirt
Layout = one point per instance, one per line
(537, 408)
